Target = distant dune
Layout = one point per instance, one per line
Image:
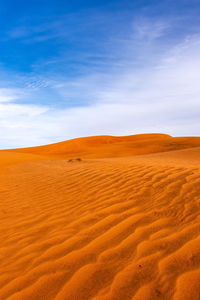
(111, 146)
(122, 224)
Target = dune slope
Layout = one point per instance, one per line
(111, 146)
(101, 229)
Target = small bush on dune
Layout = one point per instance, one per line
(71, 159)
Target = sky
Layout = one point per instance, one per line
(80, 68)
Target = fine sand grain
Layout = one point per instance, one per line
(123, 223)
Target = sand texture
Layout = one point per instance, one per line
(123, 223)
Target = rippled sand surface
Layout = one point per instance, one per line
(104, 228)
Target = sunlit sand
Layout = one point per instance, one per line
(121, 223)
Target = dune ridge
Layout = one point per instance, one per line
(112, 146)
(104, 228)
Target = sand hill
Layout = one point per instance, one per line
(110, 146)
(123, 223)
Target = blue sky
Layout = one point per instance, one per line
(81, 68)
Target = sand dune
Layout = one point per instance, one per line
(106, 228)
(110, 146)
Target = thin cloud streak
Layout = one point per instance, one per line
(159, 93)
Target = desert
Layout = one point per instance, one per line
(100, 150)
(121, 223)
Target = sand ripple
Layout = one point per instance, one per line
(106, 229)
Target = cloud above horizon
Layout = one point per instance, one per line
(113, 70)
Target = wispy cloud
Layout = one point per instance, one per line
(146, 80)
(143, 28)
(8, 95)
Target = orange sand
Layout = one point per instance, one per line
(123, 223)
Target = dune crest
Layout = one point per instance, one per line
(112, 146)
(107, 228)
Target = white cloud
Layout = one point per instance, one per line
(160, 96)
(148, 30)
(8, 95)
